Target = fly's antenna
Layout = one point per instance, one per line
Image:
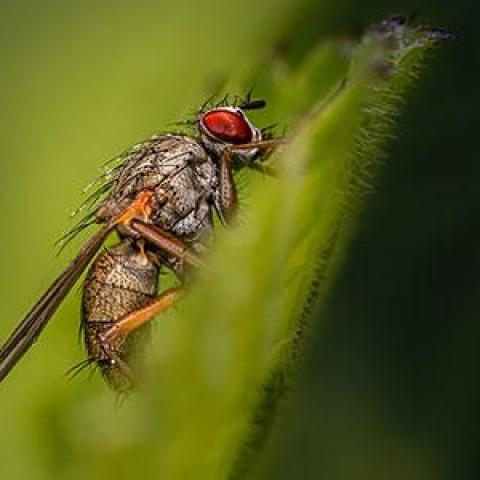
(250, 103)
(255, 104)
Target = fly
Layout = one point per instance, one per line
(161, 200)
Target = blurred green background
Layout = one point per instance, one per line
(392, 386)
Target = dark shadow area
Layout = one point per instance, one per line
(392, 386)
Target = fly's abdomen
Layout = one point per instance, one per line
(121, 280)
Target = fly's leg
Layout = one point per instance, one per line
(167, 242)
(228, 201)
(141, 316)
(228, 192)
(141, 208)
(263, 145)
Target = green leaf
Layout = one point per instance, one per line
(221, 362)
(227, 355)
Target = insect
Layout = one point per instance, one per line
(160, 199)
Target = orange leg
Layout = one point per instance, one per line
(141, 207)
(136, 218)
(167, 242)
(139, 317)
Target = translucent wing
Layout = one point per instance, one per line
(30, 327)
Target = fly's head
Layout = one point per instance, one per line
(228, 127)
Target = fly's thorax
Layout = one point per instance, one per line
(182, 175)
(121, 280)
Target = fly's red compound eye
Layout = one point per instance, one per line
(229, 126)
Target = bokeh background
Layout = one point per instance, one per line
(391, 388)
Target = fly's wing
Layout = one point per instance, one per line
(36, 319)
